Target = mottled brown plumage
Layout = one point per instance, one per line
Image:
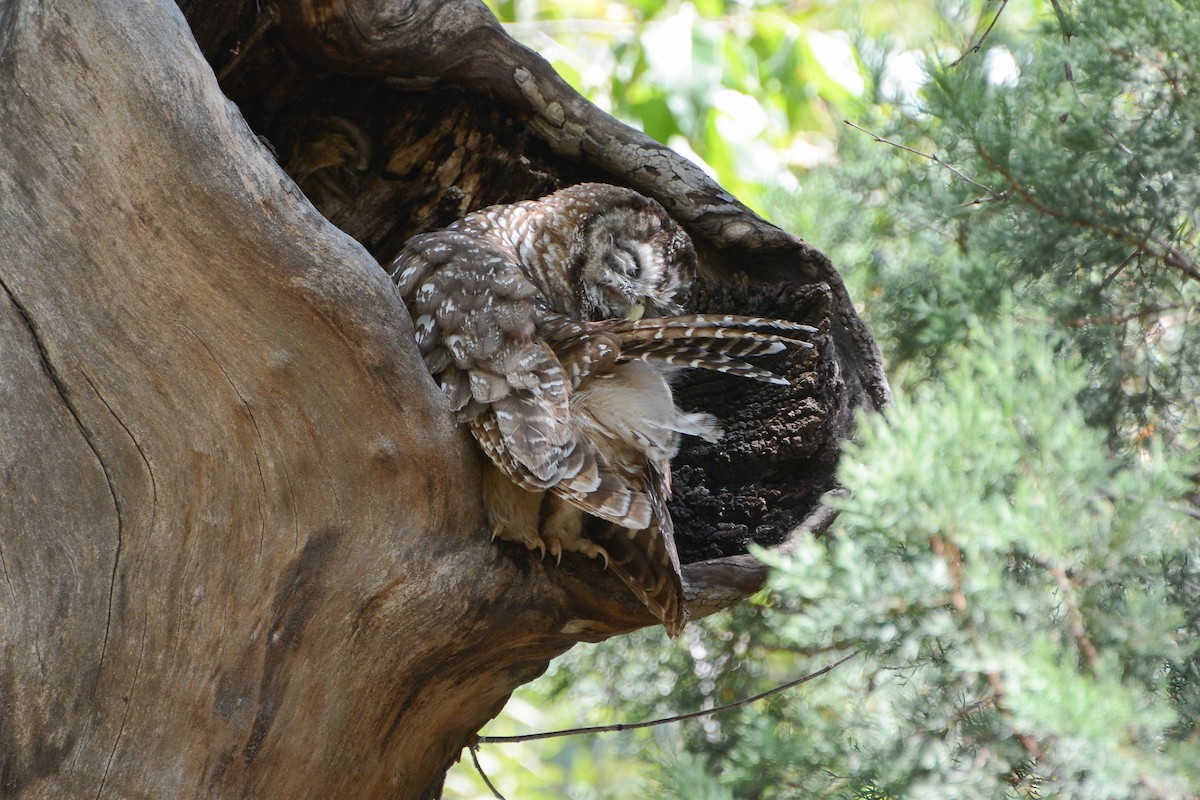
(530, 318)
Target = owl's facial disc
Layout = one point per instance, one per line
(623, 273)
(619, 280)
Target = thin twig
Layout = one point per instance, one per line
(1110, 277)
(971, 708)
(1078, 630)
(474, 748)
(629, 726)
(266, 20)
(975, 47)
(1118, 319)
(930, 156)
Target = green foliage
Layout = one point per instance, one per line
(1018, 563)
(744, 89)
(1010, 574)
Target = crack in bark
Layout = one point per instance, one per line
(8, 582)
(137, 670)
(136, 445)
(60, 386)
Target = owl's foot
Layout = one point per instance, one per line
(533, 542)
(562, 529)
(512, 511)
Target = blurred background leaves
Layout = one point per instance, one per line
(1019, 560)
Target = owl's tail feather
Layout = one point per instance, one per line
(647, 575)
(697, 358)
(720, 326)
(646, 560)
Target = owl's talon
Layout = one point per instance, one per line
(596, 551)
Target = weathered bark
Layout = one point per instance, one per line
(240, 536)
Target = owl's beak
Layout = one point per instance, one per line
(635, 312)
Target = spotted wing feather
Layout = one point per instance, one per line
(475, 315)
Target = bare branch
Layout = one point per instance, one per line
(629, 726)
(955, 171)
(479, 768)
(979, 44)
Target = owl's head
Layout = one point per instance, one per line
(632, 258)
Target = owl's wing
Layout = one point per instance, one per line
(716, 342)
(474, 311)
(591, 351)
(476, 315)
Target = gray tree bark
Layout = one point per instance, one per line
(242, 549)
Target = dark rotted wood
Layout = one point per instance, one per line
(781, 444)
(241, 547)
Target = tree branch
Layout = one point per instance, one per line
(474, 748)
(975, 47)
(1152, 246)
(954, 170)
(629, 726)
(1087, 650)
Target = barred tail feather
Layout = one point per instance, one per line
(696, 358)
(647, 571)
(709, 341)
(611, 500)
(698, 323)
(652, 557)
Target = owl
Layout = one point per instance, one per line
(554, 327)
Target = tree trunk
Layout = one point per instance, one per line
(242, 548)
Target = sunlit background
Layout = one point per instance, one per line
(1018, 565)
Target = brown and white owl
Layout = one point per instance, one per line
(554, 326)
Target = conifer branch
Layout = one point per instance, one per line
(1153, 246)
(1063, 25)
(1112, 276)
(1086, 649)
(629, 726)
(1118, 319)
